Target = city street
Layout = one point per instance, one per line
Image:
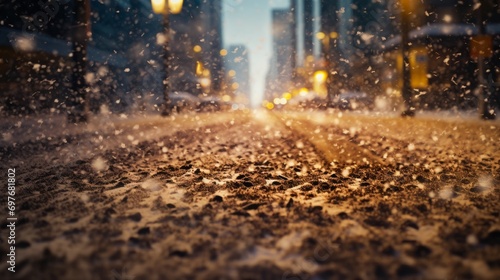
(254, 195)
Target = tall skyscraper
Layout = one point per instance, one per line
(198, 26)
(211, 42)
(303, 24)
(281, 70)
(354, 31)
(184, 37)
(308, 31)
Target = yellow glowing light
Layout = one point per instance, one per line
(419, 68)
(277, 101)
(320, 76)
(334, 35)
(206, 72)
(175, 6)
(205, 82)
(319, 84)
(197, 49)
(231, 73)
(287, 96)
(447, 18)
(226, 98)
(269, 105)
(235, 86)
(160, 6)
(303, 91)
(199, 68)
(320, 35)
(283, 101)
(223, 52)
(407, 6)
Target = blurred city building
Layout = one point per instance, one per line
(444, 69)
(304, 28)
(361, 46)
(283, 60)
(211, 42)
(125, 60)
(352, 33)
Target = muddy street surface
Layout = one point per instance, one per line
(254, 195)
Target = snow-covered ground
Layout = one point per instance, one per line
(255, 195)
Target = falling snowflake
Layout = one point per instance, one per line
(99, 164)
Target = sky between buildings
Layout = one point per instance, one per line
(248, 22)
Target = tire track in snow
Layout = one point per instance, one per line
(331, 147)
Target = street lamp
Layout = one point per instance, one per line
(165, 7)
(406, 91)
(78, 103)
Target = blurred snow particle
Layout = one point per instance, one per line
(421, 186)
(484, 184)
(353, 131)
(300, 144)
(104, 110)
(102, 71)
(485, 181)
(411, 147)
(366, 37)
(24, 43)
(346, 172)
(251, 168)
(446, 193)
(151, 185)
(126, 70)
(90, 77)
(293, 239)
(7, 136)
(84, 197)
(381, 103)
(161, 39)
(99, 164)
(472, 239)
(432, 194)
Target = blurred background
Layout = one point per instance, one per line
(70, 56)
